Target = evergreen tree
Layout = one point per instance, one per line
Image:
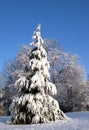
(34, 103)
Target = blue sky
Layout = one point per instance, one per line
(65, 20)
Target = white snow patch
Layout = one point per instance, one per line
(51, 88)
(77, 121)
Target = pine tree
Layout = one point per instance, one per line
(34, 103)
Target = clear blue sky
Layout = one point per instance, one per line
(65, 20)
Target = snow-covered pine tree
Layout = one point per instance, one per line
(34, 103)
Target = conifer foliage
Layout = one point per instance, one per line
(34, 103)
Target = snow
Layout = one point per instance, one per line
(77, 121)
(35, 64)
(51, 88)
(37, 82)
(21, 83)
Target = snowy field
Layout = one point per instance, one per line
(77, 121)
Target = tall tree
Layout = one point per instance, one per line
(34, 104)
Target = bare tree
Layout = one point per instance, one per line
(72, 85)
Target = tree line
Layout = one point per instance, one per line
(66, 73)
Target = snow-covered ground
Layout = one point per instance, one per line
(77, 121)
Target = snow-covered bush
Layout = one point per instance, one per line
(33, 103)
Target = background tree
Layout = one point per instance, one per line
(87, 94)
(72, 86)
(68, 75)
(2, 110)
